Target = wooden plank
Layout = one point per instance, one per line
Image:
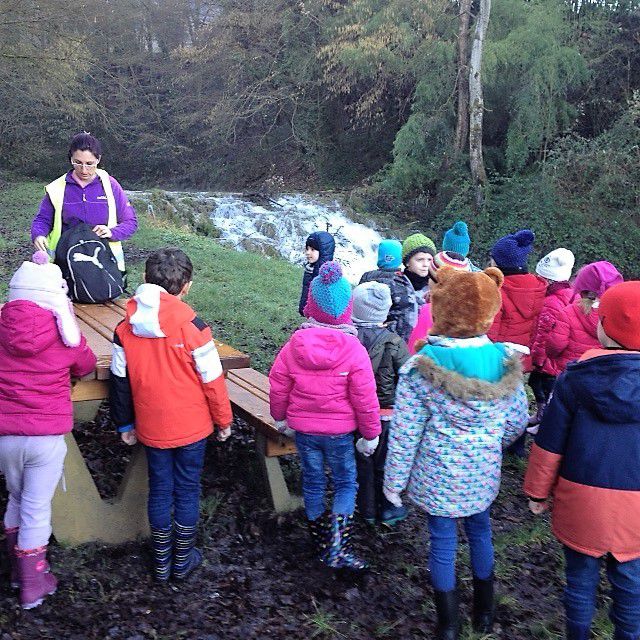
(252, 389)
(103, 314)
(104, 330)
(89, 390)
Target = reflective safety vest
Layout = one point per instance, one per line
(55, 191)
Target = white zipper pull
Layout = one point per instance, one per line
(84, 197)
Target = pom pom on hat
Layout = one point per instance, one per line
(556, 265)
(512, 251)
(329, 300)
(457, 239)
(417, 243)
(619, 313)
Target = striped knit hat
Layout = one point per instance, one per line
(417, 243)
(448, 259)
(330, 300)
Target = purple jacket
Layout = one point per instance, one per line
(322, 383)
(35, 371)
(87, 204)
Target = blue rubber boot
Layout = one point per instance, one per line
(162, 547)
(339, 552)
(186, 557)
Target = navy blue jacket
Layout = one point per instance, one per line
(326, 246)
(587, 453)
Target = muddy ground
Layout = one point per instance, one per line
(259, 578)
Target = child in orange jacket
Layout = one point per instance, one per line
(167, 391)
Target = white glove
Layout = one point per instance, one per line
(367, 447)
(392, 497)
(283, 428)
(223, 434)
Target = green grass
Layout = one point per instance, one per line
(251, 302)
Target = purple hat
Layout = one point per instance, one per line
(512, 251)
(597, 277)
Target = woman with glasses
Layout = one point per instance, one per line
(84, 194)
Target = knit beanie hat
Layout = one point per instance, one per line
(41, 282)
(389, 254)
(371, 303)
(597, 277)
(512, 251)
(619, 313)
(329, 300)
(557, 265)
(448, 259)
(417, 243)
(457, 239)
(464, 304)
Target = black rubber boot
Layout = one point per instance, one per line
(483, 605)
(318, 530)
(340, 555)
(448, 610)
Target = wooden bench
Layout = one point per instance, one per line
(249, 395)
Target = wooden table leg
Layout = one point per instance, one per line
(282, 500)
(80, 515)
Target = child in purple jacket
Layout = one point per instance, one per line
(40, 349)
(323, 389)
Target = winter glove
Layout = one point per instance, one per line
(283, 428)
(367, 447)
(129, 437)
(392, 497)
(223, 433)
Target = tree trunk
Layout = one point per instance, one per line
(476, 110)
(462, 125)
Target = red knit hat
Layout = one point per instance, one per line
(619, 313)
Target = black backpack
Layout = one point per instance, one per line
(88, 265)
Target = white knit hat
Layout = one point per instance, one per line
(42, 283)
(557, 265)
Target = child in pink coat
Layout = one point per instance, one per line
(323, 389)
(556, 269)
(40, 349)
(575, 331)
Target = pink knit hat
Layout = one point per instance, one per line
(330, 299)
(597, 277)
(42, 283)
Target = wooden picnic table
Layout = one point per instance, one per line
(79, 513)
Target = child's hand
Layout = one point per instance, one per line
(283, 428)
(536, 507)
(367, 447)
(392, 497)
(223, 433)
(129, 437)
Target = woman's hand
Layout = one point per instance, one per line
(40, 243)
(102, 231)
(538, 507)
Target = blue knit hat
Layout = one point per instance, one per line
(329, 298)
(457, 239)
(389, 254)
(512, 251)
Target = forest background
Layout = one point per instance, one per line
(366, 96)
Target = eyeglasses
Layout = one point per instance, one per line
(86, 165)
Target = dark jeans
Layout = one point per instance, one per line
(583, 577)
(337, 453)
(443, 536)
(371, 500)
(542, 385)
(174, 484)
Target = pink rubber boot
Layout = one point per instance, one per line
(35, 581)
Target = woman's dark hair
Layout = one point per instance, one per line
(85, 142)
(169, 268)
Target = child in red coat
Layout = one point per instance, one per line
(555, 268)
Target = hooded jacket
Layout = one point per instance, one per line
(166, 375)
(36, 370)
(559, 296)
(322, 383)
(586, 455)
(522, 299)
(456, 408)
(574, 334)
(327, 247)
(387, 352)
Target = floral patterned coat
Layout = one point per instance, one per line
(448, 432)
